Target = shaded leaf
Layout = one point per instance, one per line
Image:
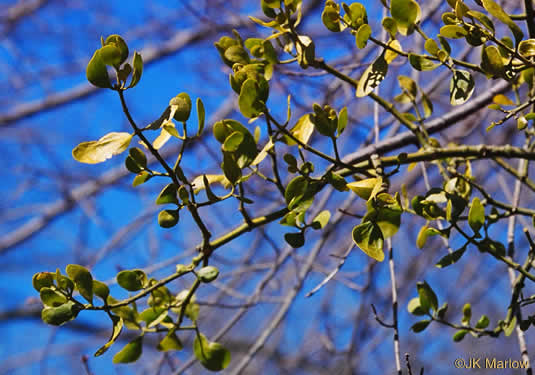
(83, 281)
(132, 280)
(97, 72)
(208, 274)
(60, 315)
(212, 355)
(461, 87)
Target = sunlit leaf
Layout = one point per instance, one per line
(117, 328)
(372, 76)
(98, 151)
(368, 237)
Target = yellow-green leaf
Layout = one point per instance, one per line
(97, 72)
(368, 237)
(212, 355)
(406, 13)
(98, 151)
(372, 76)
(476, 215)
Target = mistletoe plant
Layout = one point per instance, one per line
(460, 207)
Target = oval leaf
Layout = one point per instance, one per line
(213, 356)
(369, 239)
(98, 151)
(131, 352)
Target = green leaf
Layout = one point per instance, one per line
(42, 280)
(408, 84)
(363, 34)
(459, 335)
(296, 189)
(117, 328)
(420, 326)
(483, 322)
(249, 99)
(168, 195)
(481, 17)
(231, 169)
(137, 63)
(192, 309)
(201, 115)
(467, 314)
(237, 54)
(491, 61)
(527, 48)
(365, 188)
(131, 165)
(389, 24)
(208, 274)
(421, 63)
(131, 352)
(337, 181)
(170, 342)
(321, 220)
(424, 233)
(428, 298)
(386, 213)
(182, 106)
(168, 218)
(111, 55)
(141, 178)
(132, 280)
(97, 72)
(342, 121)
(212, 355)
(83, 281)
(51, 298)
(510, 326)
(64, 283)
(427, 104)
(496, 10)
(369, 238)
(98, 151)
(476, 215)
(330, 18)
(233, 141)
(60, 315)
(355, 15)
(414, 307)
(119, 42)
(101, 290)
(372, 76)
(461, 87)
(295, 240)
(431, 47)
(453, 32)
(302, 130)
(138, 156)
(406, 13)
